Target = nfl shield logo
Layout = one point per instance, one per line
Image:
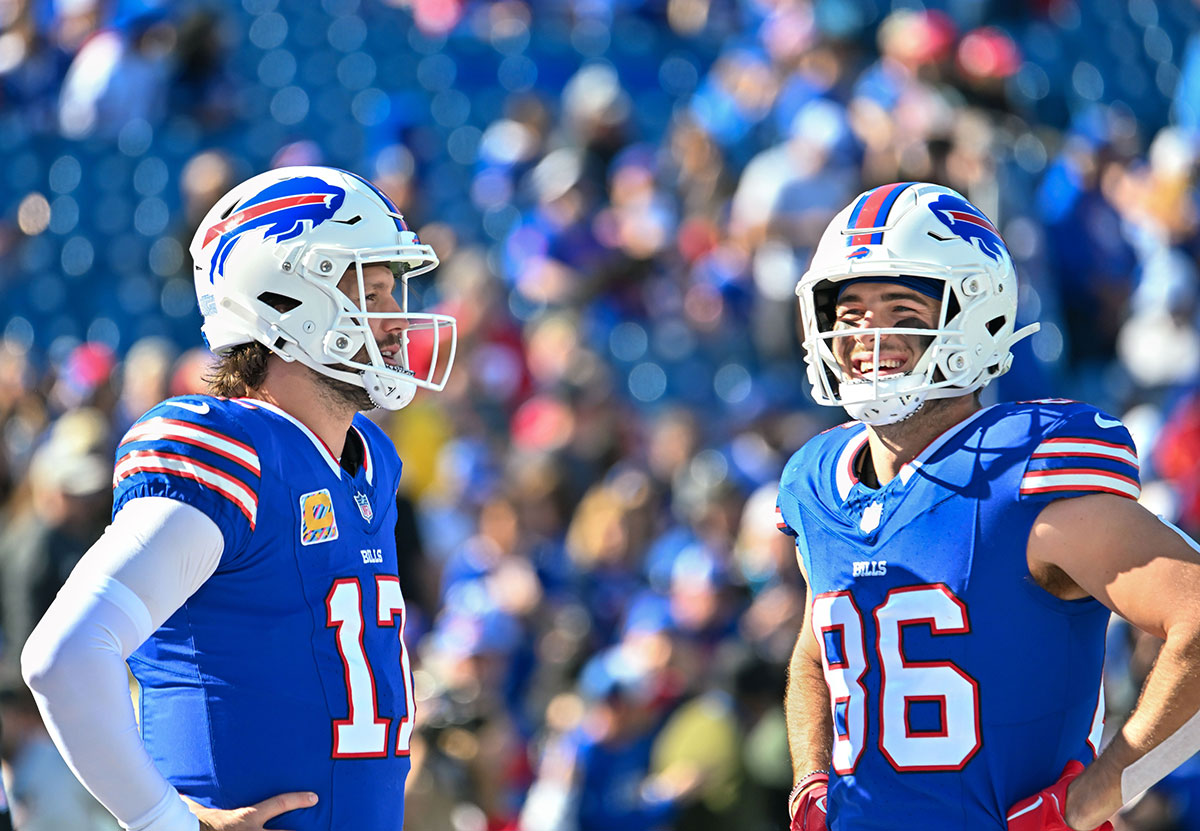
(364, 506)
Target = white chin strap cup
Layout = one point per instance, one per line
(882, 402)
(389, 393)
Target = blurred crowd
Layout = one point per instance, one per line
(623, 194)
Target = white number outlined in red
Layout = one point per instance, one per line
(364, 734)
(902, 682)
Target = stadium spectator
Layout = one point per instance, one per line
(625, 195)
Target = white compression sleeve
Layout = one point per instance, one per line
(155, 554)
(1174, 750)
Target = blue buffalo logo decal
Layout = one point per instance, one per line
(858, 253)
(967, 222)
(281, 210)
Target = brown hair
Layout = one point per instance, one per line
(239, 371)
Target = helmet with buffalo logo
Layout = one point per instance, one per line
(926, 237)
(268, 258)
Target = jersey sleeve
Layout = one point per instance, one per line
(781, 523)
(198, 452)
(1085, 451)
(787, 503)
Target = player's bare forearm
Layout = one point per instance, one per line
(1149, 573)
(1152, 741)
(806, 704)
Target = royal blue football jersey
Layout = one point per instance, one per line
(958, 686)
(286, 670)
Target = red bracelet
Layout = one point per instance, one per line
(805, 780)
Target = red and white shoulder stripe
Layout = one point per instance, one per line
(1087, 448)
(185, 450)
(781, 523)
(175, 464)
(1082, 464)
(169, 429)
(1062, 480)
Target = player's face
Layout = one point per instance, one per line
(379, 286)
(882, 306)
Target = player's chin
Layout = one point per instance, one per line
(347, 393)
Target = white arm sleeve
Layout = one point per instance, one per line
(156, 553)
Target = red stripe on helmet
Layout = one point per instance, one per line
(869, 215)
(255, 211)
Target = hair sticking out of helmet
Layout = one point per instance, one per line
(270, 255)
(929, 239)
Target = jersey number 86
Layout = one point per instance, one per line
(838, 625)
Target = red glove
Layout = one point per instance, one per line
(810, 807)
(1044, 810)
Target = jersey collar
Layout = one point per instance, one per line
(320, 445)
(368, 466)
(909, 468)
(846, 476)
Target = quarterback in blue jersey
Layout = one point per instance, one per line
(249, 575)
(962, 561)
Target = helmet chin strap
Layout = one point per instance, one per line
(885, 401)
(888, 411)
(387, 394)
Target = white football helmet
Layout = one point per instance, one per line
(928, 232)
(269, 255)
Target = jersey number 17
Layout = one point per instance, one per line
(364, 734)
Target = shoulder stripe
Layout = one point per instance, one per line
(169, 429)
(1054, 481)
(146, 461)
(1093, 448)
(780, 522)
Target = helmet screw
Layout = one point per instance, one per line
(326, 266)
(979, 349)
(342, 342)
(310, 327)
(1000, 289)
(286, 266)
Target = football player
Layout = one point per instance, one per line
(962, 561)
(249, 574)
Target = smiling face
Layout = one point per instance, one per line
(869, 306)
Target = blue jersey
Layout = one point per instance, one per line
(286, 670)
(958, 686)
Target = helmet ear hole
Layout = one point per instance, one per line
(825, 304)
(995, 325)
(279, 302)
